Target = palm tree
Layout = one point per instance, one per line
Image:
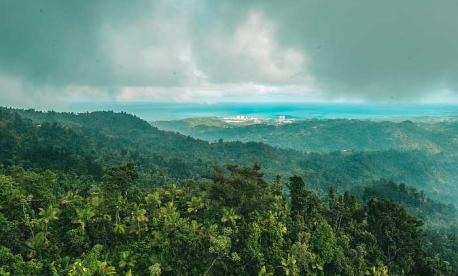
(127, 261)
(195, 204)
(47, 215)
(37, 242)
(138, 217)
(104, 269)
(119, 228)
(153, 198)
(83, 215)
(70, 197)
(229, 215)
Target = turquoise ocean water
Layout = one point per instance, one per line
(172, 111)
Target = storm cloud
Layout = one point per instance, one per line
(55, 52)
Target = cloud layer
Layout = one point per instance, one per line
(55, 52)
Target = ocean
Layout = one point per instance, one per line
(173, 111)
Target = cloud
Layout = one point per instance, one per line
(256, 48)
(155, 50)
(380, 51)
(254, 65)
(212, 93)
(16, 92)
(55, 52)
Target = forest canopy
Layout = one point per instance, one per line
(107, 194)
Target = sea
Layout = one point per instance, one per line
(174, 111)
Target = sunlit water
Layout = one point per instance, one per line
(170, 111)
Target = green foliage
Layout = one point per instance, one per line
(89, 144)
(116, 196)
(235, 224)
(397, 234)
(422, 153)
(416, 202)
(325, 135)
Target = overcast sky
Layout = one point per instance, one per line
(55, 52)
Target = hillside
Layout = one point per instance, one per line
(89, 143)
(71, 182)
(328, 135)
(416, 202)
(422, 153)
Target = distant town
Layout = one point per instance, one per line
(249, 120)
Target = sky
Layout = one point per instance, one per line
(54, 53)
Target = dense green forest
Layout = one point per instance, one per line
(234, 223)
(92, 141)
(106, 193)
(367, 147)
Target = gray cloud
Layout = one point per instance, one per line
(216, 50)
(400, 49)
(58, 42)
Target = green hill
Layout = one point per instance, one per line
(103, 193)
(89, 143)
(328, 135)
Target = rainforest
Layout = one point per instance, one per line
(107, 193)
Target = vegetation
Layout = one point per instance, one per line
(416, 202)
(328, 135)
(89, 143)
(429, 147)
(235, 223)
(105, 193)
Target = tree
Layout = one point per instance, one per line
(117, 181)
(397, 233)
(298, 195)
(47, 215)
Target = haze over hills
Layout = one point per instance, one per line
(113, 138)
(326, 135)
(434, 143)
